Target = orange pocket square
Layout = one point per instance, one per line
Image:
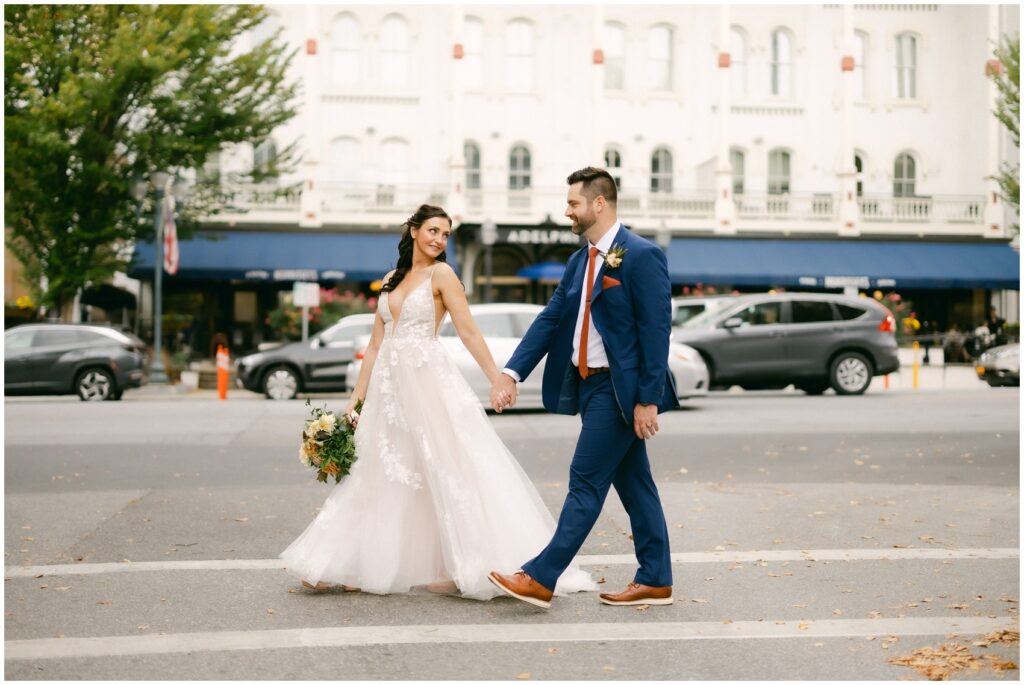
(609, 282)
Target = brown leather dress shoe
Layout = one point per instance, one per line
(638, 594)
(522, 587)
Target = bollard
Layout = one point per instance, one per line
(917, 365)
(222, 372)
(885, 381)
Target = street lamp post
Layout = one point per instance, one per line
(663, 236)
(488, 236)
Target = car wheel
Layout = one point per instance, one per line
(95, 385)
(116, 395)
(280, 383)
(850, 373)
(813, 388)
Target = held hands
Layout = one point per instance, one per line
(503, 392)
(645, 420)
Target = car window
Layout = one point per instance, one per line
(56, 336)
(685, 312)
(523, 321)
(347, 333)
(762, 314)
(19, 338)
(810, 311)
(93, 337)
(847, 313)
(495, 325)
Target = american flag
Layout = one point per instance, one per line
(170, 240)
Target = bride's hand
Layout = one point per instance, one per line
(350, 411)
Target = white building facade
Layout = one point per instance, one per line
(864, 123)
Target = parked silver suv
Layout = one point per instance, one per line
(810, 340)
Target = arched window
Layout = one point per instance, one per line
(860, 43)
(345, 50)
(904, 176)
(473, 53)
(519, 168)
(737, 160)
(264, 156)
(613, 165)
(394, 46)
(344, 161)
(738, 62)
(661, 171)
(614, 46)
(659, 57)
(782, 63)
(519, 55)
(906, 66)
(778, 172)
(471, 151)
(395, 163)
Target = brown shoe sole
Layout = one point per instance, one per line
(635, 602)
(529, 600)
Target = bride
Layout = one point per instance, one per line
(435, 499)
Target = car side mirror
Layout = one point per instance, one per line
(732, 322)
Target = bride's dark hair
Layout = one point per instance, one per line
(405, 244)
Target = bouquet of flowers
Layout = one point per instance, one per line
(328, 442)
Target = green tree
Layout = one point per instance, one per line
(1007, 80)
(98, 96)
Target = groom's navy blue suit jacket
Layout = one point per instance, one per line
(634, 318)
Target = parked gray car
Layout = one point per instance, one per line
(94, 362)
(813, 341)
(1000, 365)
(318, 364)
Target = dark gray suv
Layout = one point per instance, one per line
(813, 341)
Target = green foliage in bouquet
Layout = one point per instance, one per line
(328, 443)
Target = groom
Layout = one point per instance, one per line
(606, 334)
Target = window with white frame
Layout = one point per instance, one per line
(778, 172)
(471, 151)
(519, 168)
(614, 46)
(346, 46)
(738, 62)
(906, 66)
(904, 176)
(860, 44)
(659, 57)
(264, 156)
(661, 171)
(395, 162)
(782, 63)
(519, 55)
(858, 165)
(473, 53)
(394, 51)
(613, 165)
(737, 160)
(344, 161)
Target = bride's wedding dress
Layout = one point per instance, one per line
(435, 496)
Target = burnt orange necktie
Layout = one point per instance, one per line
(586, 313)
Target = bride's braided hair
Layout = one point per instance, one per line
(405, 244)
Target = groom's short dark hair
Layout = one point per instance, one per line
(595, 182)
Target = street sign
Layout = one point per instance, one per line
(306, 294)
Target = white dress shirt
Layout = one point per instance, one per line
(596, 355)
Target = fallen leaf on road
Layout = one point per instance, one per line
(552, 650)
(643, 607)
(957, 606)
(837, 612)
(105, 602)
(243, 519)
(608, 668)
(62, 589)
(803, 626)
(1007, 637)
(798, 606)
(270, 611)
(523, 676)
(942, 662)
(699, 601)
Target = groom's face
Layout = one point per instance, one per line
(579, 209)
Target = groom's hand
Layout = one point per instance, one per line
(503, 392)
(645, 420)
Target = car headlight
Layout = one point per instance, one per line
(250, 360)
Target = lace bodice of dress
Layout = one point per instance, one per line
(416, 316)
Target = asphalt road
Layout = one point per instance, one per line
(815, 538)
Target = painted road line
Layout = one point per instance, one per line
(892, 554)
(178, 643)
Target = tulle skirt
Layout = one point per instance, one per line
(435, 496)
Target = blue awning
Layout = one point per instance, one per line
(838, 263)
(543, 271)
(280, 256)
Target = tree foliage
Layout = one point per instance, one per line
(1007, 80)
(99, 96)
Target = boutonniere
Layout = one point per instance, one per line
(613, 258)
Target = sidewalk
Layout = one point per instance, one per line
(934, 376)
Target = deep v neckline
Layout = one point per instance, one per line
(395, 319)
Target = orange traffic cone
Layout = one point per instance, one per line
(222, 372)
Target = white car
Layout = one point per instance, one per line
(503, 326)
